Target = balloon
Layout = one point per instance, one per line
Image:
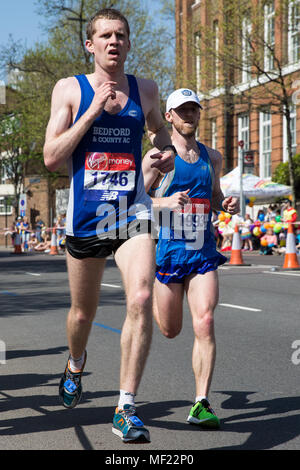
(221, 216)
(263, 229)
(250, 204)
(227, 220)
(264, 242)
(261, 217)
(256, 231)
(278, 218)
(277, 228)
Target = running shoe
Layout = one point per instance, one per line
(201, 413)
(128, 426)
(70, 388)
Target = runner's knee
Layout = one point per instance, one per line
(204, 324)
(80, 316)
(140, 301)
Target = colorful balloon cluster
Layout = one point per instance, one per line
(250, 201)
(224, 221)
(258, 228)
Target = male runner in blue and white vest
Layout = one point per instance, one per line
(186, 255)
(96, 127)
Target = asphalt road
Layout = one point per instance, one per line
(255, 388)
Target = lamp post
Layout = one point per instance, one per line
(241, 167)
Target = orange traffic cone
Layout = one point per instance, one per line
(290, 259)
(236, 258)
(53, 247)
(17, 244)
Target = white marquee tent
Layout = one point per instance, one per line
(255, 189)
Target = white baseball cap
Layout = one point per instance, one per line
(180, 96)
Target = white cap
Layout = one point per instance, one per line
(180, 96)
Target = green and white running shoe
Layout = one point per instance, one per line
(128, 426)
(202, 414)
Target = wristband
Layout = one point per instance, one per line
(171, 147)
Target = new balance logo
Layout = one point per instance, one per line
(109, 196)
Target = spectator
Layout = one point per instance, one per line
(246, 234)
(289, 213)
(38, 229)
(268, 243)
(44, 246)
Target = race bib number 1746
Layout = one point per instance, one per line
(109, 171)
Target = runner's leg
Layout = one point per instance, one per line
(202, 294)
(84, 279)
(135, 259)
(167, 307)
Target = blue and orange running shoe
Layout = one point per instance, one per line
(128, 426)
(70, 388)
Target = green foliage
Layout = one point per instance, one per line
(281, 174)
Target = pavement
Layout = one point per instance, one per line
(255, 388)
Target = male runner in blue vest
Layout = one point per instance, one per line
(96, 127)
(186, 255)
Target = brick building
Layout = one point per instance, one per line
(39, 188)
(243, 58)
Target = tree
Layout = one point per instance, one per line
(250, 66)
(64, 54)
(281, 174)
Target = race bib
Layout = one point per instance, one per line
(109, 172)
(192, 219)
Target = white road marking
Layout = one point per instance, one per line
(33, 274)
(284, 274)
(111, 285)
(241, 307)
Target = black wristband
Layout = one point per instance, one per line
(171, 147)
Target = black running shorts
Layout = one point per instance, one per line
(99, 247)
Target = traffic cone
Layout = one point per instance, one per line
(236, 258)
(53, 247)
(17, 244)
(290, 259)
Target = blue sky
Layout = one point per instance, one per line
(19, 18)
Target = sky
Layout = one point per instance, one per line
(19, 18)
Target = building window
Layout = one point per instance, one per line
(243, 130)
(294, 31)
(293, 115)
(5, 208)
(213, 130)
(265, 144)
(197, 39)
(246, 50)
(216, 53)
(269, 35)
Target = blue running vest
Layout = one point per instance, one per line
(106, 181)
(180, 245)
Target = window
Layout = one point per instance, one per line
(197, 39)
(294, 31)
(265, 144)
(214, 137)
(293, 114)
(243, 134)
(5, 207)
(269, 35)
(216, 53)
(246, 50)
(243, 130)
